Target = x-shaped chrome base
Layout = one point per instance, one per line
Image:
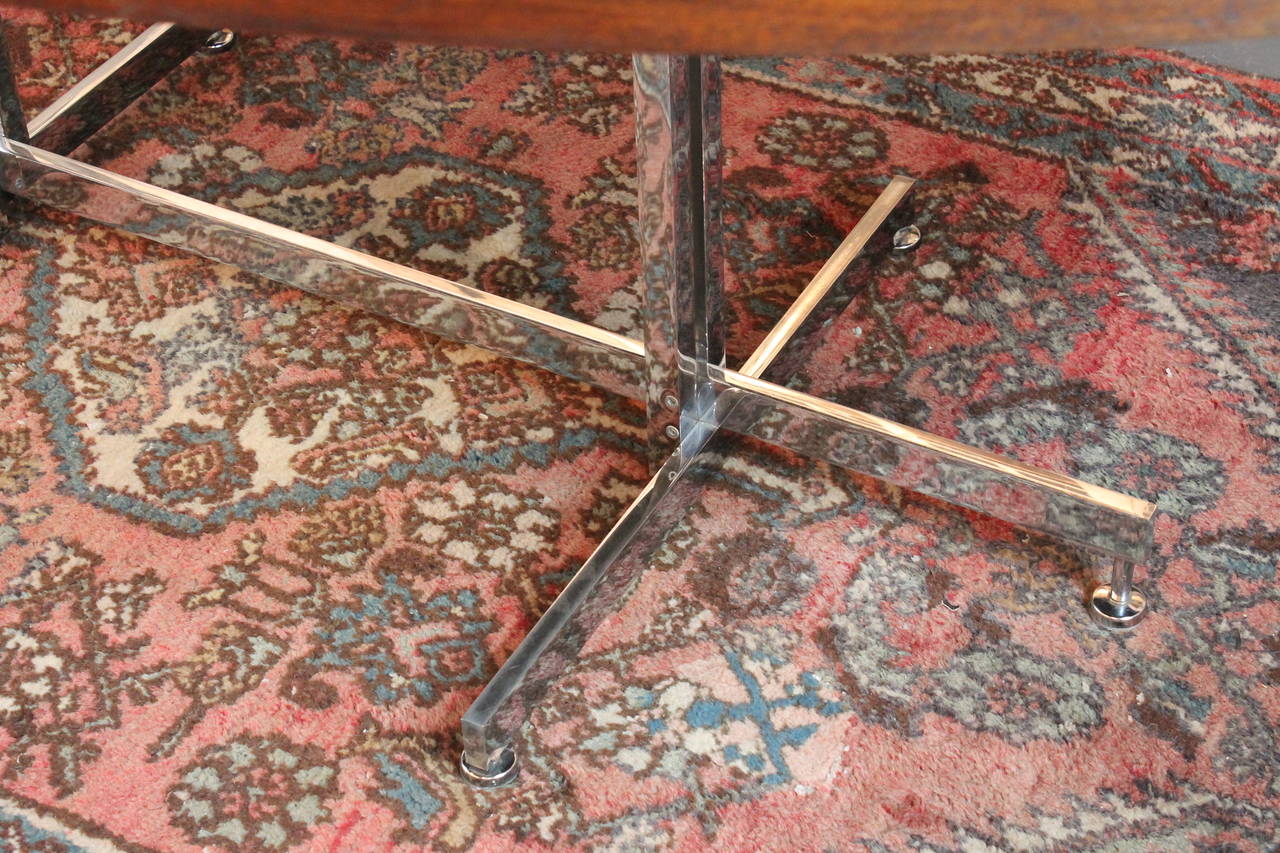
(678, 369)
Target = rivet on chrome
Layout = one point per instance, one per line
(906, 238)
(220, 41)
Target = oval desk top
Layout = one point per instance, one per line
(792, 27)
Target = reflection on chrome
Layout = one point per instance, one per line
(1083, 514)
(112, 86)
(568, 347)
(678, 152)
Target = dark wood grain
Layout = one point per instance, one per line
(728, 26)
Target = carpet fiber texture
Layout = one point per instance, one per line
(260, 552)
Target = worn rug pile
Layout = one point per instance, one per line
(259, 552)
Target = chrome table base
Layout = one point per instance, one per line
(678, 368)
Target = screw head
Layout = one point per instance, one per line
(219, 41)
(906, 238)
(672, 431)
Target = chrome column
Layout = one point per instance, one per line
(678, 155)
(678, 149)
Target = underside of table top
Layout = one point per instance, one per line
(789, 27)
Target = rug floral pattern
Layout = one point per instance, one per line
(258, 552)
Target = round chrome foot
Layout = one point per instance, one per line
(1111, 613)
(502, 770)
(219, 41)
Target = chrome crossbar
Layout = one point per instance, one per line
(455, 311)
(1099, 520)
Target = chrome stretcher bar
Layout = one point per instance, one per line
(1104, 521)
(678, 370)
(455, 311)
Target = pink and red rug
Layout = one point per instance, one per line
(260, 552)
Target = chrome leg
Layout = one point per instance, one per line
(455, 311)
(112, 86)
(796, 333)
(1097, 519)
(1117, 605)
(552, 646)
(13, 124)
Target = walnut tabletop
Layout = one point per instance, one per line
(795, 27)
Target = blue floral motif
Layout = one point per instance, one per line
(760, 710)
(697, 721)
(191, 462)
(400, 647)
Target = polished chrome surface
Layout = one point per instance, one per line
(219, 41)
(826, 278)
(797, 421)
(1117, 605)
(1109, 613)
(13, 124)
(678, 152)
(906, 238)
(1121, 583)
(108, 89)
(1083, 514)
(489, 725)
(501, 770)
(455, 311)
